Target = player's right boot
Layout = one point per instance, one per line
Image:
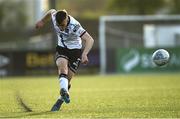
(65, 95)
(57, 105)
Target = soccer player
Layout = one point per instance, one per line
(69, 53)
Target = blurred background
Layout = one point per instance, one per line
(126, 33)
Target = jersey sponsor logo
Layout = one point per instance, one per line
(67, 30)
(62, 34)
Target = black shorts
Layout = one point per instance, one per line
(72, 55)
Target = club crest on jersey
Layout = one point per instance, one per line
(76, 28)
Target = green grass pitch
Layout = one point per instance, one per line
(111, 96)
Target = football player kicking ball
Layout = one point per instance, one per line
(68, 50)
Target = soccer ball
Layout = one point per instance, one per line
(160, 57)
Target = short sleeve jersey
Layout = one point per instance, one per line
(71, 37)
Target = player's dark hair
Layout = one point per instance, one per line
(60, 16)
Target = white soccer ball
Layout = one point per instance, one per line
(160, 57)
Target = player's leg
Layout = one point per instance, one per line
(63, 81)
(70, 75)
(67, 64)
(62, 65)
(73, 65)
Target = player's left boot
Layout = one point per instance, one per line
(65, 95)
(57, 105)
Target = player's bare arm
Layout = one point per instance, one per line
(89, 41)
(45, 19)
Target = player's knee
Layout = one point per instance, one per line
(63, 70)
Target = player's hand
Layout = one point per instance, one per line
(84, 59)
(39, 24)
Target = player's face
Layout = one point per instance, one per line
(63, 25)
